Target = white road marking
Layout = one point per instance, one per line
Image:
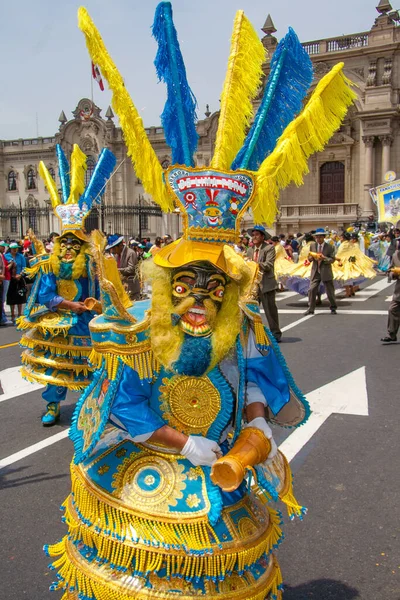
(14, 385)
(361, 296)
(296, 323)
(13, 458)
(347, 395)
(284, 296)
(323, 297)
(323, 311)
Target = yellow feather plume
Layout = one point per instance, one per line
(307, 134)
(146, 163)
(241, 84)
(78, 170)
(50, 184)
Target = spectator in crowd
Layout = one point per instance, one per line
(127, 262)
(264, 254)
(50, 241)
(394, 308)
(294, 243)
(167, 239)
(322, 256)
(5, 282)
(2, 275)
(16, 295)
(156, 247)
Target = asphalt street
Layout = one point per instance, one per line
(346, 473)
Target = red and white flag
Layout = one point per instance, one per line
(97, 76)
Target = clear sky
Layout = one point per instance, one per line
(46, 68)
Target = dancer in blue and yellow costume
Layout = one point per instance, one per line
(57, 341)
(175, 463)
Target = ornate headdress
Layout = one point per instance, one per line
(246, 171)
(76, 200)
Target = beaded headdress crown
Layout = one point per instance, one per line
(76, 200)
(246, 170)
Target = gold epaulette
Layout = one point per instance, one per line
(115, 341)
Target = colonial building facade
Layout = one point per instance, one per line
(335, 192)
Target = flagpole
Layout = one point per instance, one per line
(91, 83)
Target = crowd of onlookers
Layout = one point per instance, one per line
(379, 245)
(14, 259)
(15, 254)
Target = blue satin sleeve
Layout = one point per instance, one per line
(48, 292)
(266, 371)
(132, 405)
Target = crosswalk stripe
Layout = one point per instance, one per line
(284, 296)
(9, 460)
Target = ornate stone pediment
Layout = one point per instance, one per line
(340, 138)
(85, 110)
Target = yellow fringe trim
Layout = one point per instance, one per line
(56, 347)
(307, 134)
(144, 158)
(241, 85)
(24, 324)
(50, 184)
(286, 495)
(42, 265)
(31, 359)
(35, 377)
(259, 331)
(144, 363)
(194, 534)
(77, 576)
(36, 309)
(122, 554)
(294, 509)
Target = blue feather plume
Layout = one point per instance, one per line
(289, 79)
(63, 173)
(97, 184)
(179, 114)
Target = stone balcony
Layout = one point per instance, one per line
(318, 214)
(337, 44)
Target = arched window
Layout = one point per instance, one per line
(332, 183)
(52, 172)
(90, 163)
(12, 181)
(31, 180)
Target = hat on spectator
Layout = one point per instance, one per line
(114, 240)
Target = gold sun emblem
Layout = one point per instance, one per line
(190, 404)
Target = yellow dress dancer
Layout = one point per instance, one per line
(352, 266)
(298, 279)
(283, 264)
(173, 499)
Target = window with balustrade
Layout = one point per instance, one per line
(331, 190)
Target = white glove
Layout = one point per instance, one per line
(201, 451)
(261, 424)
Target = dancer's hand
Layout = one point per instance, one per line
(261, 424)
(201, 451)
